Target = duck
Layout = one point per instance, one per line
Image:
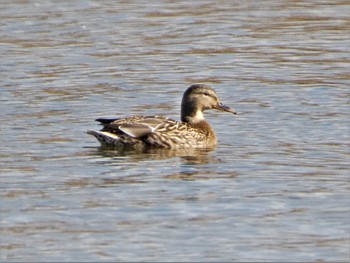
(144, 132)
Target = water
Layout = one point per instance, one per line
(275, 189)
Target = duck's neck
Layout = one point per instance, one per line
(195, 117)
(191, 114)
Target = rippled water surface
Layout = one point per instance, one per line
(275, 189)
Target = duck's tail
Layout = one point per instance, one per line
(105, 138)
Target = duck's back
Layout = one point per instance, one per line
(154, 131)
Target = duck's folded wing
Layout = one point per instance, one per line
(135, 127)
(135, 130)
(142, 127)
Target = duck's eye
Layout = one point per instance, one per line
(206, 93)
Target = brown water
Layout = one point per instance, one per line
(275, 189)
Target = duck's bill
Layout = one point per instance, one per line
(223, 107)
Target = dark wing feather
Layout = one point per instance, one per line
(106, 120)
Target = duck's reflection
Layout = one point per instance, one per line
(188, 165)
(188, 156)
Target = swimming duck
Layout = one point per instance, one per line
(140, 132)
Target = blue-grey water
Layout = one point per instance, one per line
(275, 189)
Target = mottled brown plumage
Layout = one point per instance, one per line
(139, 132)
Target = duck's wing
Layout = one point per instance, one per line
(135, 126)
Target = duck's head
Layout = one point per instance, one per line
(197, 99)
